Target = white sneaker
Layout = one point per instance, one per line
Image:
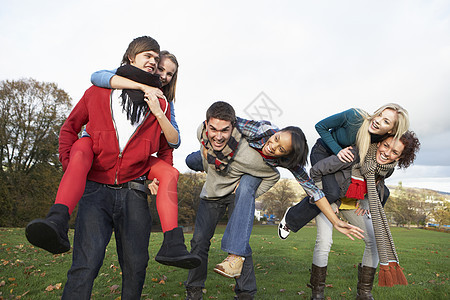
(283, 229)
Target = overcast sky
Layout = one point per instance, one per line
(305, 60)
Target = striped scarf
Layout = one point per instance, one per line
(220, 160)
(390, 271)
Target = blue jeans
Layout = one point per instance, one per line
(194, 161)
(236, 238)
(100, 211)
(208, 215)
(303, 212)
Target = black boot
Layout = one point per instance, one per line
(51, 233)
(173, 251)
(243, 296)
(194, 293)
(365, 282)
(317, 282)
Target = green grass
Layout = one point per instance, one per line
(281, 268)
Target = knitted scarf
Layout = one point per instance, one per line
(390, 270)
(220, 160)
(133, 100)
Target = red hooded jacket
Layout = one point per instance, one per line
(110, 166)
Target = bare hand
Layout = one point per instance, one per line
(153, 186)
(361, 212)
(155, 107)
(152, 92)
(336, 210)
(348, 230)
(345, 155)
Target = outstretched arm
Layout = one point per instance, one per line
(341, 226)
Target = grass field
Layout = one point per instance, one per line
(281, 268)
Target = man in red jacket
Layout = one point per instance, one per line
(125, 134)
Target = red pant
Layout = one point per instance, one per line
(73, 182)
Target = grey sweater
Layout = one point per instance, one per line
(343, 172)
(246, 161)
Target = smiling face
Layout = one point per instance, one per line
(219, 133)
(146, 61)
(384, 122)
(166, 70)
(278, 145)
(389, 151)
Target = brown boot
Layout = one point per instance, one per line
(365, 282)
(317, 282)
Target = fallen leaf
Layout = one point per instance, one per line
(49, 288)
(113, 288)
(282, 290)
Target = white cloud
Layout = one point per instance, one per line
(313, 58)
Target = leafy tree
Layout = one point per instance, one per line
(406, 206)
(189, 188)
(281, 196)
(31, 114)
(442, 215)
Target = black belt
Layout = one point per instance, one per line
(138, 185)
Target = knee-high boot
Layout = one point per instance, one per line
(317, 282)
(365, 282)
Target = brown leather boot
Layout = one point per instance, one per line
(365, 282)
(317, 282)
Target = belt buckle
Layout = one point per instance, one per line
(115, 186)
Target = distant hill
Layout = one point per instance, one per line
(391, 187)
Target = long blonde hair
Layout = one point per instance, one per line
(363, 135)
(169, 89)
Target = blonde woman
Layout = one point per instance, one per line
(337, 133)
